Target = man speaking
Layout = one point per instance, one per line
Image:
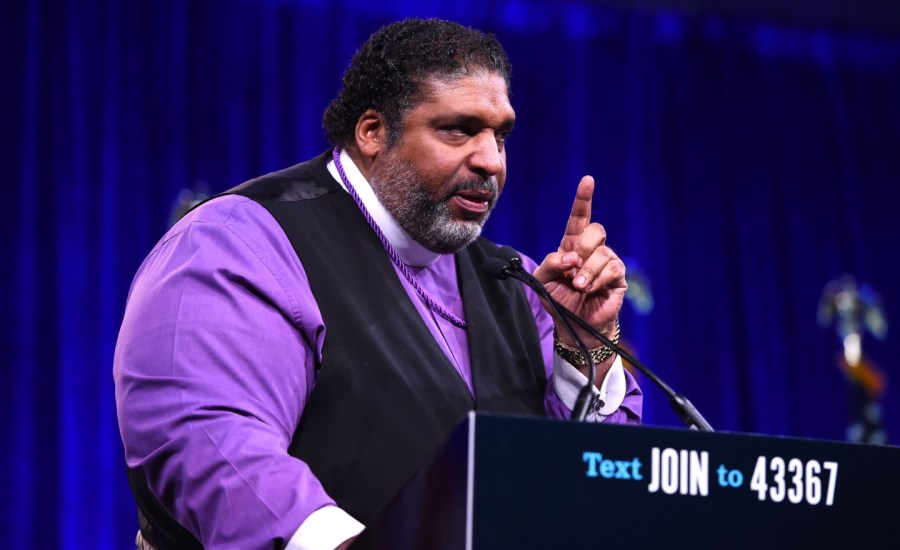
(293, 350)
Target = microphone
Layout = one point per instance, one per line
(509, 264)
(497, 268)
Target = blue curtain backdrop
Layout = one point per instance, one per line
(742, 164)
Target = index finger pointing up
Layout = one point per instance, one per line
(581, 213)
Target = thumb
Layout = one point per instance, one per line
(555, 265)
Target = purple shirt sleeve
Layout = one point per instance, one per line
(552, 403)
(212, 371)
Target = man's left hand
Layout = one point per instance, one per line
(585, 275)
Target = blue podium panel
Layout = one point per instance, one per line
(523, 482)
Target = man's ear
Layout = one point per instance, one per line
(371, 134)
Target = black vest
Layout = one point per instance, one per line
(386, 396)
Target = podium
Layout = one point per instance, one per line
(532, 483)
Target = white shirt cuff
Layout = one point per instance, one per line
(568, 381)
(325, 529)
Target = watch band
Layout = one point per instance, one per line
(574, 356)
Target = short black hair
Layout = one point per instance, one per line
(388, 71)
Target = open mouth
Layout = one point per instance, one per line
(470, 203)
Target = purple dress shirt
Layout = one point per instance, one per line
(215, 361)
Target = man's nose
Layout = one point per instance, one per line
(487, 157)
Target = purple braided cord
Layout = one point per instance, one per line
(401, 265)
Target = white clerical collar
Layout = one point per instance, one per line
(412, 253)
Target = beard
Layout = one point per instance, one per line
(426, 218)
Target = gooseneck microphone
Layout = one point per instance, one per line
(502, 268)
(509, 264)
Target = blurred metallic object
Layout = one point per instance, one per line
(854, 309)
(188, 198)
(640, 292)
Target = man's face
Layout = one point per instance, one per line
(443, 175)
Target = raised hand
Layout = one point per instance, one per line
(585, 275)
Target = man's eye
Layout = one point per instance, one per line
(501, 136)
(454, 130)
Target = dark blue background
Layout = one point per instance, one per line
(741, 163)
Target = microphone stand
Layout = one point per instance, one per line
(501, 269)
(683, 407)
